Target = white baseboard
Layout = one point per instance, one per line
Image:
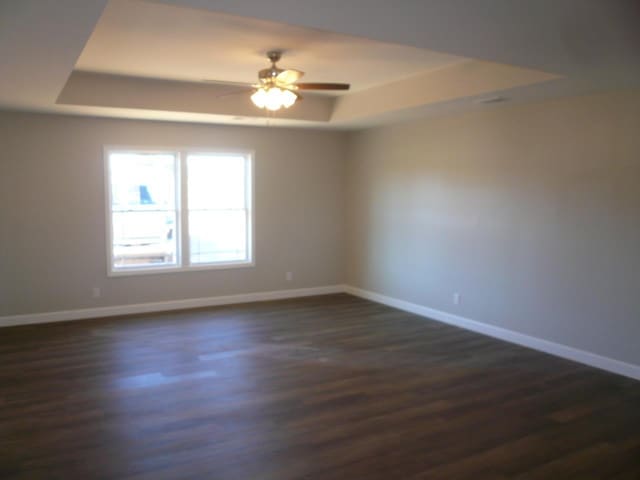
(98, 312)
(557, 349)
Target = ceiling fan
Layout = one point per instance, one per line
(278, 87)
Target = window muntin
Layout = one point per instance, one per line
(173, 210)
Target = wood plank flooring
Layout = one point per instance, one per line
(331, 387)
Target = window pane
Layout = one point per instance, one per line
(218, 236)
(144, 217)
(142, 181)
(217, 208)
(216, 181)
(144, 238)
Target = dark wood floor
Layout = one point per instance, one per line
(330, 387)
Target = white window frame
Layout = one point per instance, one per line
(183, 263)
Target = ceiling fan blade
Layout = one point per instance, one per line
(323, 86)
(289, 76)
(236, 91)
(226, 83)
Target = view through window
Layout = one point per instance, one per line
(176, 210)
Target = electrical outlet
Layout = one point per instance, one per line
(96, 293)
(288, 276)
(456, 298)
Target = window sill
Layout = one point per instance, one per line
(127, 272)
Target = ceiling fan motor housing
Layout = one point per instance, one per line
(268, 75)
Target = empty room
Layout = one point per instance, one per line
(293, 239)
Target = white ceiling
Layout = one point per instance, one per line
(385, 49)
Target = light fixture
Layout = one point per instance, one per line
(273, 98)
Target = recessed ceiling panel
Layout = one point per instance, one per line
(147, 39)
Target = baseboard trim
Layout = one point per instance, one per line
(557, 349)
(98, 312)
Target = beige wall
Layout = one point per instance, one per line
(531, 213)
(52, 219)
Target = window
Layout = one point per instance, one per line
(176, 210)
